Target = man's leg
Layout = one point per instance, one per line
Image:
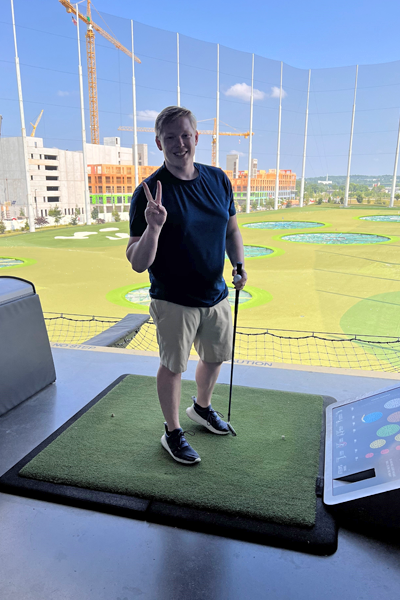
(173, 440)
(169, 394)
(206, 378)
(214, 345)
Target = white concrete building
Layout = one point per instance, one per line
(232, 164)
(254, 164)
(143, 160)
(55, 176)
(111, 153)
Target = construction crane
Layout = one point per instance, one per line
(213, 133)
(36, 124)
(91, 62)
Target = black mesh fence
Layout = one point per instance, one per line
(334, 350)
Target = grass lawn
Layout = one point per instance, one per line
(316, 287)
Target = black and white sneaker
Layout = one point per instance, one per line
(208, 417)
(175, 443)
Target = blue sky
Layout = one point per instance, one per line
(330, 39)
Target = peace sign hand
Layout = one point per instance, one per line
(155, 213)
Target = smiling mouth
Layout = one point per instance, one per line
(180, 154)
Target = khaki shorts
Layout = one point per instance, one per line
(178, 327)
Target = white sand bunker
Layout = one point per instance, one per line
(120, 236)
(110, 229)
(78, 235)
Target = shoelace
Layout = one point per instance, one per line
(183, 442)
(211, 413)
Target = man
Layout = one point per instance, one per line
(182, 219)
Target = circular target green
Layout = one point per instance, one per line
(137, 297)
(7, 262)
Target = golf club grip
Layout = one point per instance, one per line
(239, 268)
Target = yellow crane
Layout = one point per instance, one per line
(213, 133)
(36, 124)
(91, 62)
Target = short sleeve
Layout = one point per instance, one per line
(137, 221)
(228, 185)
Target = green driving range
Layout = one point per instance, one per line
(318, 268)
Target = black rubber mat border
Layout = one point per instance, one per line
(321, 539)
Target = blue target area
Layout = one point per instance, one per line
(255, 251)
(141, 296)
(336, 238)
(10, 262)
(251, 251)
(384, 218)
(284, 225)
(372, 417)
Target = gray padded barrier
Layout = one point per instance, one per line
(26, 361)
(120, 334)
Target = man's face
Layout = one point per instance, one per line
(178, 141)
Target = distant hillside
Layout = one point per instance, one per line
(360, 179)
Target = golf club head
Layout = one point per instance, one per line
(233, 432)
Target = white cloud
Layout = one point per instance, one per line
(275, 92)
(243, 91)
(61, 93)
(146, 115)
(237, 152)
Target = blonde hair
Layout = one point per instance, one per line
(171, 113)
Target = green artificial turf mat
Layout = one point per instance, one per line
(257, 474)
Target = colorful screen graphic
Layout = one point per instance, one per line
(366, 442)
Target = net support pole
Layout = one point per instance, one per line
(250, 138)
(217, 124)
(31, 218)
(396, 160)
(135, 146)
(346, 193)
(178, 89)
(305, 144)
(85, 174)
(278, 150)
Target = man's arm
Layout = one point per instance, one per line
(235, 250)
(141, 250)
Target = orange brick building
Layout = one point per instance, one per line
(115, 179)
(263, 186)
(114, 184)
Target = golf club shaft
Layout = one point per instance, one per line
(239, 272)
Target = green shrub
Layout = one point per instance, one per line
(56, 213)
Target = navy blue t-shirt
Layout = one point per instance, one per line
(189, 263)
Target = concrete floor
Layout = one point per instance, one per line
(48, 551)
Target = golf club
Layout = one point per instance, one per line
(236, 278)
